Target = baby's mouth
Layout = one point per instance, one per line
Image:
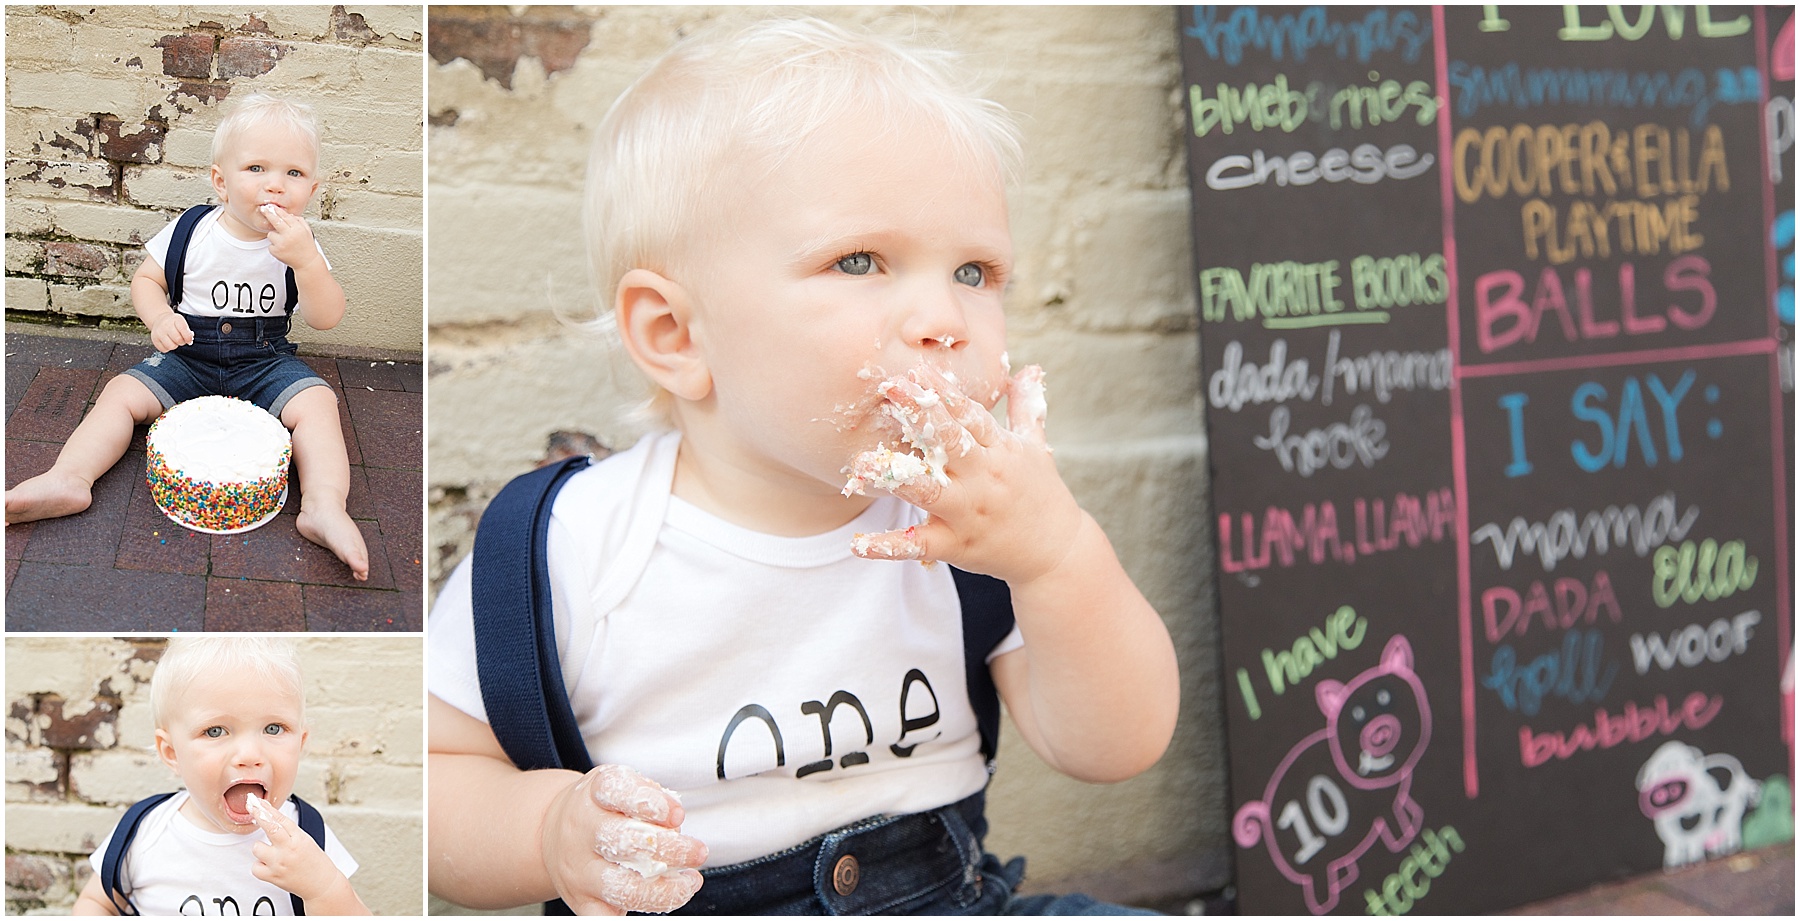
(237, 801)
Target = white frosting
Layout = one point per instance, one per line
(221, 440)
(258, 808)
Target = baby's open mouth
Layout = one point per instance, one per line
(237, 801)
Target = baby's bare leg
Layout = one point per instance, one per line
(96, 444)
(324, 468)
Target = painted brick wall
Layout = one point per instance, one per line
(80, 748)
(1102, 299)
(109, 118)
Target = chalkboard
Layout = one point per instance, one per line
(1495, 317)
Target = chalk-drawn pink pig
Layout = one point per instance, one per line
(1347, 784)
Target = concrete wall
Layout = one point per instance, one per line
(80, 748)
(109, 118)
(1102, 299)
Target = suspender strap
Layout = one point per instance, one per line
(176, 258)
(515, 631)
(987, 616)
(175, 261)
(313, 824)
(112, 865)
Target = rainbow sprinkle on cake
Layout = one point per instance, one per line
(218, 464)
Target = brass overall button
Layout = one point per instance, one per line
(845, 875)
(224, 327)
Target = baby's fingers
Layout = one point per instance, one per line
(924, 418)
(620, 789)
(970, 415)
(626, 888)
(1025, 405)
(649, 849)
(903, 474)
(277, 826)
(890, 545)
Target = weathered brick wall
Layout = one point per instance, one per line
(1102, 299)
(110, 112)
(80, 748)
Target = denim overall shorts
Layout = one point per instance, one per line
(245, 357)
(928, 863)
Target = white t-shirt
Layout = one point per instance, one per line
(174, 867)
(782, 686)
(226, 276)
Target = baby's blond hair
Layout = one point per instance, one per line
(259, 110)
(268, 658)
(673, 143)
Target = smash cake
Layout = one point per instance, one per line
(218, 464)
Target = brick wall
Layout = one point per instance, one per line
(1102, 299)
(109, 118)
(80, 748)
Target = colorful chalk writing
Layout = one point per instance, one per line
(1329, 800)
(1496, 315)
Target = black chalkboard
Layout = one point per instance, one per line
(1498, 381)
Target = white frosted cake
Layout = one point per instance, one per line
(218, 464)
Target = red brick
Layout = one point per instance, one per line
(188, 56)
(139, 142)
(150, 541)
(389, 427)
(243, 605)
(81, 731)
(248, 57)
(35, 877)
(351, 27)
(79, 260)
(53, 405)
(47, 596)
(364, 375)
(350, 609)
(204, 93)
(493, 39)
(276, 552)
(90, 537)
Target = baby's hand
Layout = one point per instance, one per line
(999, 507)
(291, 859)
(171, 332)
(612, 844)
(290, 240)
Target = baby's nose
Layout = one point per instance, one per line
(936, 321)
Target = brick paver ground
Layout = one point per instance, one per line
(1759, 882)
(122, 566)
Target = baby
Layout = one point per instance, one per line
(228, 334)
(803, 235)
(231, 722)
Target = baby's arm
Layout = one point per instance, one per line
(1094, 691)
(169, 330)
(93, 901)
(502, 837)
(291, 241)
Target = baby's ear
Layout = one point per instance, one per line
(165, 749)
(656, 322)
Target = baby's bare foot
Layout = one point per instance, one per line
(48, 495)
(333, 529)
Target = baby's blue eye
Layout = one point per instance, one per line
(970, 274)
(274, 729)
(856, 264)
(214, 732)
(254, 169)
